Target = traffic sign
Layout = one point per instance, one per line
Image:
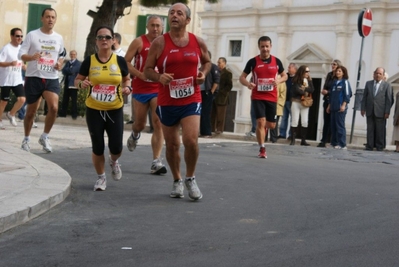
(364, 22)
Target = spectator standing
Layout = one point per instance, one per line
(395, 136)
(376, 105)
(292, 68)
(70, 71)
(116, 47)
(183, 62)
(282, 91)
(222, 97)
(145, 94)
(11, 76)
(108, 80)
(302, 86)
(41, 78)
(326, 134)
(208, 89)
(340, 95)
(264, 69)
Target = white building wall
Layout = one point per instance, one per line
(329, 25)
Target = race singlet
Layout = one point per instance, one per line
(265, 84)
(104, 92)
(181, 88)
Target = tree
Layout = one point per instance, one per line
(112, 10)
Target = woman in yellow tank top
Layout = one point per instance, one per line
(107, 77)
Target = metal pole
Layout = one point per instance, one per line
(357, 87)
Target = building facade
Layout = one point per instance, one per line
(309, 32)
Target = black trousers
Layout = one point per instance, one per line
(73, 94)
(205, 121)
(326, 136)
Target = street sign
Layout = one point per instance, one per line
(364, 22)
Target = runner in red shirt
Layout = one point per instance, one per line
(177, 55)
(145, 93)
(265, 69)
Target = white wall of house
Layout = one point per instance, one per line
(311, 32)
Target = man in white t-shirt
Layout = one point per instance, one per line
(43, 50)
(11, 76)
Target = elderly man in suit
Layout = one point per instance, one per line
(376, 104)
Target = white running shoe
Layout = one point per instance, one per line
(116, 169)
(132, 142)
(100, 184)
(25, 145)
(178, 188)
(45, 142)
(13, 122)
(2, 126)
(193, 191)
(157, 167)
(34, 125)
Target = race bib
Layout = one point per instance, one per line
(18, 67)
(181, 88)
(265, 84)
(104, 92)
(46, 64)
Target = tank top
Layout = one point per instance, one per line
(139, 86)
(106, 78)
(264, 76)
(183, 63)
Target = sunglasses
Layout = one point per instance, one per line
(307, 71)
(103, 37)
(19, 36)
(333, 64)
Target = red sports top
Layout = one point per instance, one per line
(183, 63)
(139, 86)
(263, 76)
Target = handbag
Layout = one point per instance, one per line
(307, 101)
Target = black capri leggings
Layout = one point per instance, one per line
(110, 121)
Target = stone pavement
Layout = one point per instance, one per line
(31, 185)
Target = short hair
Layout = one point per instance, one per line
(339, 63)
(118, 37)
(223, 59)
(264, 39)
(383, 70)
(13, 30)
(293, 64)
(188, 11)
(344, 70)
(150, 17)
(48, 9)
(105, 27)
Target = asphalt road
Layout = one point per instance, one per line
(300, 207)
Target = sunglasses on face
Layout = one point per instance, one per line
(103, 37)
(333, 64)
(19, 36)
(307, 71)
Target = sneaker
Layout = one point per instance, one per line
(250, 134)
(132, 142)
(100, 184)
(116, 170)
(177, 191)
(344, 148)
(157, 167)
(193, 191)
(12, 119)
(45, 142)
(34, 125)
(2, 126)
(262, 153)
(25, 145)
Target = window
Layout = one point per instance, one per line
(235, 48)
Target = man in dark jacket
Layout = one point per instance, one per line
(222, 97)
(70, 70)
(208, 88)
